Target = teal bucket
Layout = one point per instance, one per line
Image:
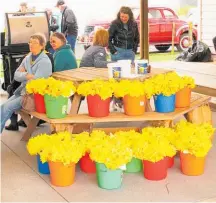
(134, 166)
(56, 107)
(108, 179)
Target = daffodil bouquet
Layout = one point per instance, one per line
(65, 147)
(57, 88)
(194, 138)
(113, 151)
(37, 86)
(102, 88)
(165, 84)
(36, 145)
(186, 81)
(153, 145)
(133, 88)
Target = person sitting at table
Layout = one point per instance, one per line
(64, 58)
(95, 55)
(35, 65)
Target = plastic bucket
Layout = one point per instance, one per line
(134, 166)
(164, 104)
(42, 167)
(39, 103)
(141, 67)
(61, 175)
(170, 161)
(108, 179)
(191, 165)
(114, 70)
(98, 107)
(87, 165)
(183, 98)
(134, 106)
(56, 107)
(155, 171)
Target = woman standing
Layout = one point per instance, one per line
(123, 36)
(64, 58)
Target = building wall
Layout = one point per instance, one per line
(207, 29)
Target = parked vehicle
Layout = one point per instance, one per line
(161, 20)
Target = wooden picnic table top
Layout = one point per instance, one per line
(91, 73)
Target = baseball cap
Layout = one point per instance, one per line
(60, 2)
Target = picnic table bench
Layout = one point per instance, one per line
(73, 118)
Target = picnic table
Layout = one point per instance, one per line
(73, 118)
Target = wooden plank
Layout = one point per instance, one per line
(113, 130)
(100, 73)
(30, 129)
(196, 101)
(75, 104)
(205, 90)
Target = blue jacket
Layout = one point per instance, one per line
(41, 68)
(64, 59)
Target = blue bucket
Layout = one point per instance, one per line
(42, 168)
(164, 104)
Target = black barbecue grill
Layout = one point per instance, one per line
(14, 44)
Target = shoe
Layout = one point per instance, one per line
(12, 127)
(22, 123)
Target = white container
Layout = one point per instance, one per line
(126, 68)
(114, 70)
(141, 67)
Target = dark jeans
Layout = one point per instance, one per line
(214, 42)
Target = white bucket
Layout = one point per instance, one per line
(126, 68)
(114, 70)
(141, 67)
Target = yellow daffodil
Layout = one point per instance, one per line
(133, 88)
(194, 138)
(102, 88)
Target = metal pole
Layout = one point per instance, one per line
(144, 33)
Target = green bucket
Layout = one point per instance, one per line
(108, 179)
(56, 107)
(134, 166)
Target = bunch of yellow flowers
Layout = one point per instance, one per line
(166, 84)
(37, 86)
(57, 88)
(102, 88)
(133, 88)
(186, 81)
(113, 151)
(194, 138)
(153, 145)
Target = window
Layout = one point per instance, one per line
(168, 14)
(155, 14)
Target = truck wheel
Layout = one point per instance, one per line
(162, 48)
(183, 42)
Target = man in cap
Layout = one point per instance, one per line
(69, 25)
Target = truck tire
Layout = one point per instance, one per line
(162, 48)
(183, 42)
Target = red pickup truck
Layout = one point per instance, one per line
(161, 21)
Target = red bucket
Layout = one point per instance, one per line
(87, 165)
(155, 171)
(170, 161)
(39, 103)
(98, 107)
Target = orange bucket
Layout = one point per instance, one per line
(61, 175)
(183, 98)
(134, 106)
(191, 165)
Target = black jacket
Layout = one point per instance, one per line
(69, 23)
(122, 38)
